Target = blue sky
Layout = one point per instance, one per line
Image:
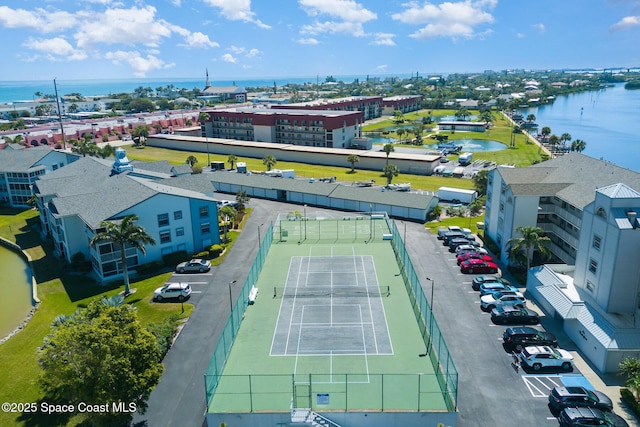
(244, 39)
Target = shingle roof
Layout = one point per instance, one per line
(22, 160)
(573, 177)
(87, 188)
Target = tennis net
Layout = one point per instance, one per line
(294, 292)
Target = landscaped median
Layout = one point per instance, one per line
(59, 293)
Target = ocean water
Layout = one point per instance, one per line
(12, 91)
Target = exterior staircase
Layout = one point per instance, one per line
(307, 416)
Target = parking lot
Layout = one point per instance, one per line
(491, 391)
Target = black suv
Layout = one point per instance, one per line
(519, 338)
(574, 396)
(577, 417)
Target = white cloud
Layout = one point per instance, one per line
(237, 10)
(227, 57)
(383, 39)
(199, 40)
(235, 49)
(123, 26)
(381, 68)
(55, 49)
(349, 14)
(253, 53)
(141, 65)
(38, 19)
(520, 35)
(309, 41)
(626, 23)
(347, 10)
(448, 19)
(540, 27)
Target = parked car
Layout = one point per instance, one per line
(441, 232)
(478, 266)
(454, 243)
(473, 255)
(538, 357)
(450, 236)
(194, 266)
(488, 287)
(499, 299)
(578, 417)
(521, 337)
(181, 291)
(479, 280)
(576, 396)
(514, 315)
(470, 248)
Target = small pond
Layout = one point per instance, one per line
(16, 291)
(474, 145)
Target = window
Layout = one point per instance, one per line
(204, 211)
(591, 287)
(597, 240)
(165, 236)
(593, 266)
(205, 228)
(177, 215)
(163, 220)
(179, 232)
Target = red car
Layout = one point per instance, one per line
(473, 255)
(478, 266)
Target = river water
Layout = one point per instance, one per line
(607, 120)
(15, 303)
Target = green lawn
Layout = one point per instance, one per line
(59, 294)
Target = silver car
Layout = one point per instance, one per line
(194, 266)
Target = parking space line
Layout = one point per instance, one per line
(540, 385)
(198, 283)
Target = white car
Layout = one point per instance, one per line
(500, 299)
(538, 357)
(470, 248)
(181, 291)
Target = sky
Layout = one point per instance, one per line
(244, 39)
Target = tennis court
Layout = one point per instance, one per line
(332, 329)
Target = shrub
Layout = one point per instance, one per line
(628, 398)
(174, 257)
(165, 332)
(215, 251)
(201, 254)
(149, 268)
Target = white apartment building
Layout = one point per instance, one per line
(177, 210)
(20, 167)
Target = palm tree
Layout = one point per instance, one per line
(578, 145)
(353, 159)
(203, 118)
(232, 159)
(140, 135)
(269, 161)
(388, 148)
(398, 117)
(531, 118)
(400, 132)
(417, 131)
(84, 147)
(564, 138)
(462, 114)
(228, 214)
(389, 172)
(553, 140)
(18, 139)
(124, 234)
(191, 160)
(533, 239)
(545, 131)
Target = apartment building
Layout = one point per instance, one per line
(551, 195)
(329, 129)
(370, 106)
(20, 167)
(74, 201)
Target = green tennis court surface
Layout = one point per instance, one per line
(332, 329)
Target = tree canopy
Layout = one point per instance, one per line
(98, 355)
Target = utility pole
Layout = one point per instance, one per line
(55, 87)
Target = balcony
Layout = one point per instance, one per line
(547, 208)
